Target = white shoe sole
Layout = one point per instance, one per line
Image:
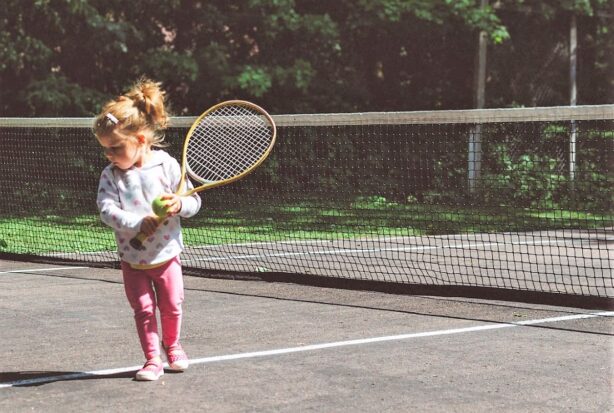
(148, 376)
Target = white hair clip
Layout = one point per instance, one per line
(112, 118)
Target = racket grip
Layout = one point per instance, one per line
(138, 241)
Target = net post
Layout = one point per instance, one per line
(572, 154)
(475, 157)
(573, 93)
(475, 135)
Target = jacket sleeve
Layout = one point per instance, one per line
(109, 205)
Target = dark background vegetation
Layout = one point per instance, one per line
(66, 57)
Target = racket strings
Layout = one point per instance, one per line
(228, 157)
(228, 142)
(223, 160)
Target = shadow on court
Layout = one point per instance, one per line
(70, 345)
(39, 378)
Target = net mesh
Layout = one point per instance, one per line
(515, 199)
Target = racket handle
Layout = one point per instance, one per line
(138, 241)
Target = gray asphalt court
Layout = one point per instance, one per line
(70, 345)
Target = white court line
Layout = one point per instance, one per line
(43, 269)
(312, 347)
(374, 250)
(370, 239)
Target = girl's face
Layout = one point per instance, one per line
(124, 151)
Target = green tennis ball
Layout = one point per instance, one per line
(160, 207)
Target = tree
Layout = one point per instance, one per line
(532, 68)
(66, 57)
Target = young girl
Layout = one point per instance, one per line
(128, 128)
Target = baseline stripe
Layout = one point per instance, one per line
(313, 347)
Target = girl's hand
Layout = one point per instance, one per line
(149, 224)
(173, 203)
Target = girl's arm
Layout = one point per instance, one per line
(109, 205)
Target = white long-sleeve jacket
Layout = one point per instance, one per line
(125, 197)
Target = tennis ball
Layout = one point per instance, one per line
(159, 206)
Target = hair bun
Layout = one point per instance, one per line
(148, 97)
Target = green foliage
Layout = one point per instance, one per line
(481, 18)
(534, 180)
(532, 69)
(56, 94)
(255, 81)
(529, 180)
(296, 56)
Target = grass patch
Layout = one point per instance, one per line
(48, 234)
(328, 220)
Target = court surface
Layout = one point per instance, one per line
(69, 344)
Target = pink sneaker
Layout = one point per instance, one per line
(177, 359)
(151, 371)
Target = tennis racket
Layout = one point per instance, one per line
(224, 144)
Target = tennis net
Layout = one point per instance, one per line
(511, 199)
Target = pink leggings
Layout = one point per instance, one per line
(144, 288)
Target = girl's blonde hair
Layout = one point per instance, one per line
(140, 109)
